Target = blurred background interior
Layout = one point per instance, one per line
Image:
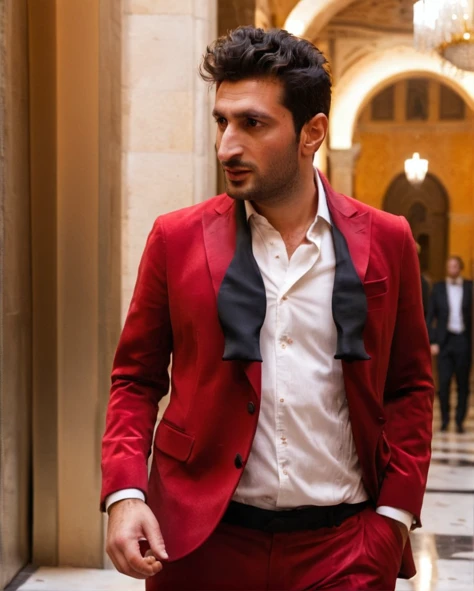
(104, 125)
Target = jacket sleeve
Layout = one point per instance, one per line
(140, 375)
(432, 316)
(408, 396)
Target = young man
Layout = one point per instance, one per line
(450, 326)
(295, 448)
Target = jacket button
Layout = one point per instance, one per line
(251, 408)
(239, 462)
(381, 419)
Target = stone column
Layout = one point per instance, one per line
(168, 153)
(342, 166)
(15, 293)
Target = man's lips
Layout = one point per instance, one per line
(236, 174)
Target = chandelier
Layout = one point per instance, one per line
(446, 26)
(416, 169)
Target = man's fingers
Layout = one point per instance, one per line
(155, 540)
(123, 567)
(146, 566)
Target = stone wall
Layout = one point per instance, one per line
(168, 154)
(449, 148)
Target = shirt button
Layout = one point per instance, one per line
(285, 473)
(251, 408)
(277, 256)
(284, 298)
(283, 346)
(282, 400)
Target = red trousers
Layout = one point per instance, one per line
(364, 552)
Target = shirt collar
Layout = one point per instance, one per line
(323, 209)
(458, 281)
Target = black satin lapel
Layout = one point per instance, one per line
(241, 301)
(349, 304)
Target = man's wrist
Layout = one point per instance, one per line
(121, 495)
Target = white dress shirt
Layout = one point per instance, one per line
(303, 452)
(455, 295)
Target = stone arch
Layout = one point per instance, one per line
(308, 17)
(426, 207)
(361, 82)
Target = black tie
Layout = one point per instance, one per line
(242, 300)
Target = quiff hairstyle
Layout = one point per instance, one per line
(248, 52)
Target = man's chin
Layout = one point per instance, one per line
(238, 193)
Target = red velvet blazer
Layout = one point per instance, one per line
(208, 423)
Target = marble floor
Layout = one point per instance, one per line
(444, 547)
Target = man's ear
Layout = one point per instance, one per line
(313, 134)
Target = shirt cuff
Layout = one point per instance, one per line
(121, 495)
(398, 514)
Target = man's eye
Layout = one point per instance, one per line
(252, 122)
(221, 121)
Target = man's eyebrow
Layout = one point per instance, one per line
(245, 114)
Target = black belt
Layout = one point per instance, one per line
(307, 518)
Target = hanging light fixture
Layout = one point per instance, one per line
(447, 26)
(416, 169)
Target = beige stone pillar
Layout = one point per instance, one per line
(67, 270)
(342, 168)
(168, 153)
(15, 294)
(43, 166)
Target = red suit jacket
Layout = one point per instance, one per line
(209, 421)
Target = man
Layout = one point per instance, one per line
(450, 326)
(294, 451)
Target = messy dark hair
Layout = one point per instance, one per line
(247, 52)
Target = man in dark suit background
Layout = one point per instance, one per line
(450, 327)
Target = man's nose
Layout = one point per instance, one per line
(229, 146)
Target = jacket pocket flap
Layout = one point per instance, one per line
(375, 288)
(172, 442)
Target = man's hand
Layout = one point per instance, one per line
(130, 521)
(434, 349)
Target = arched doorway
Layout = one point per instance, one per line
(426, 208)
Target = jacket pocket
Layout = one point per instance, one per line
(375, 292)
(172, 442)
(376, 287)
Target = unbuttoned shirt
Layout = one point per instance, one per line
(303, 452)
(455, 296)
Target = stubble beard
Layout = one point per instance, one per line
(277, 185)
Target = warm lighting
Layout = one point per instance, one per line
(416, 169)
(425, 572)
(446, 26)
(295, 26)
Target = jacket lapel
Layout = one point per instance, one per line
(219, 230)
(220, 235)
(353, 225)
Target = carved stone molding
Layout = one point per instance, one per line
(342, 165)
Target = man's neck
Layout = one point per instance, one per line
(298, 210)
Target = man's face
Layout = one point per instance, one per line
(453, 268)
(256, 140)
